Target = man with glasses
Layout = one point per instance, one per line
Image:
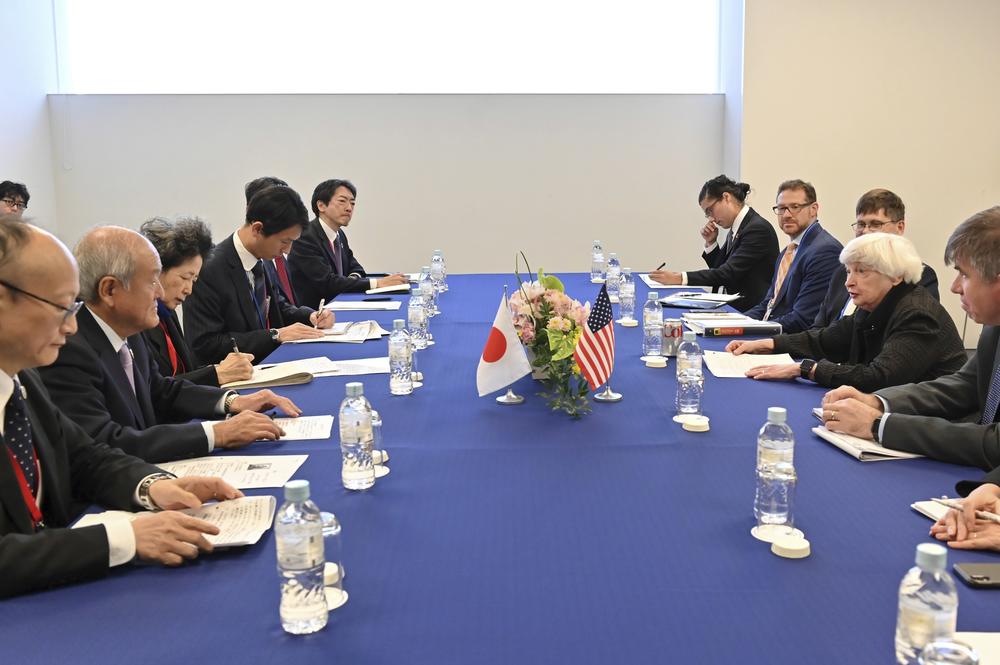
(877, 211)
(802, 273)
(13, 198)
(106, 380)
(50, 465)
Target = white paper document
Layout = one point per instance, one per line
(698, 299)
(861, 449)
(290, 373)
(241, 521)
(931, 509)
(362, 306)
(305, 428)
(358, 367)
(243, 472)
(396, 288)
(726, 365)
(653, 284)
(987, 645)
(349, 332)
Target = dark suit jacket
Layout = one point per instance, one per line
(157, 343)
(747, 268)
(313, 271)
(221, 309)
(836, 294)
(807, 280)
(75, 470)
(88, 383)
(908, 337)
(940, 418)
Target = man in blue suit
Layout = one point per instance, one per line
(802, 272)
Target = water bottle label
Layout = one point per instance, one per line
(300, 553)
(916, 626)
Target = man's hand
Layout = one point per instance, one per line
(170, 537)
(850, 392)
(235, 367)
(782, 371)
(964, 526)
(392, 280)
(738, 347)
(263, 400)
(190, 492)
(245, 428)
(323, 318)
(667, 277)
(710, 233)
(850, 416)
(299, 331)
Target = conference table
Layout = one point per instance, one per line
(514, 534)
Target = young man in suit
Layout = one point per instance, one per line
(745, 262)
(236, 300)
(877, 211)
(107, 382)
(322, 263)
(802, 273)
(50, 465)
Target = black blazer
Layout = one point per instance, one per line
(748, 266)
(221, 309)
(75, 470)
(88, 383)
(908, 337)
(156, 340)
(836, 294)
(313, 271)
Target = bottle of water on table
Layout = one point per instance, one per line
(652, 326)
(416, 319)
(437, 271)
(357, 470)
(690, 379)
(626, 296)
(298, 533)
(426, 285)
(597, 262)
(775, 470)
(400, 360)
(614, 275)
(928, 603)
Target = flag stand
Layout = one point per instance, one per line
(510, 398)
(608, 395)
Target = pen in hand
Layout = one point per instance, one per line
(957, 505)
(236, 349)
(319, 311)
(660, 267)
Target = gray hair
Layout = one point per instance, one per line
(892, 255)
(107, 251)
(976, 241)
(14, 235)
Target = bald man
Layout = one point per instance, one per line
(50, 463)
(106, 380)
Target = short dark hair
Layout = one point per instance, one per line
(258, 184)
(178, 240)
(14, 235)
(14, 189)
(799, 184)
(324, 192)
(721, 184)
(277, 208)
(977, 242)
(881, 199)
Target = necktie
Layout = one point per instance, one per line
(992, 398)
(786, 261)
(337, 261)
(286, 283)
(17, 436)
(125, 357)
(259, 287)
(728, 245)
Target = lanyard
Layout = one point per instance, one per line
(175, 363)
(29, 499)
(265, 318)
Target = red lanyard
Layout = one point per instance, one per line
(175, 363)
(29, 499)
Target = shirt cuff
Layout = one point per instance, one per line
(885, 417)
(372, 283)
(711, 248)
(209, 426)
(121, 542)
(684, 279)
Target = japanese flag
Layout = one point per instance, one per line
(503, 361)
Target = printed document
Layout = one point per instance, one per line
(362, 306)
(244, 471)
(726, 365)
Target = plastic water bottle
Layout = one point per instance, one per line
(426, 284)
(400, 360)
(613, 281)
(444, 270)
(775, 470)
(437, 271)
(357, 470)
(298, 532)
(626, 296)
(690, 379)
(597, 262)
(652, 325)
(928, 603)
(416, 319)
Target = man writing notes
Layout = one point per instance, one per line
(877, 211)
(106, 380)
(237, 299)
(803, 271)
(322, 262)
(952, 418)
(744, 263)
(50, 464)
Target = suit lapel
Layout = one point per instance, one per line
(140, 366)
(180, 344)
(108, 357)
(800, 251)
(241, 287)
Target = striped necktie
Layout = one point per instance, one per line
(992, 398)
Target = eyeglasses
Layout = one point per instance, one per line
(67, 311)
(874, 226)
(793, 208)
(708, 211)
(16, 205)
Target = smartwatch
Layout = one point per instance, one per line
(806, 368)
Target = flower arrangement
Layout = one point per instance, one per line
(549, 323)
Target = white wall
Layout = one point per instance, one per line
(477, 176)
(855, 94)
(28, 53)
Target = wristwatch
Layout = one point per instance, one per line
(274, 335)
(876, 425)
(227, 404)
(143, 492)
(806, 368)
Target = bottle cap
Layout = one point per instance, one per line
(437, 252)
(792, 546)
(425, 268)
(652, 295)
(296, 490)
(776, 414)
(355, 389)
(398, 324)
(932, 557)
(613, 255)
(689, 336)
(376, 418)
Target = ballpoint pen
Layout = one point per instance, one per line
(957, 505)
(319, 311)
(660, 267)
(236, 349)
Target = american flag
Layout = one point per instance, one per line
(595, 351)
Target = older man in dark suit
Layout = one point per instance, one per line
(50, 464)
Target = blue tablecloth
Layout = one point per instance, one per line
(516, 535)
